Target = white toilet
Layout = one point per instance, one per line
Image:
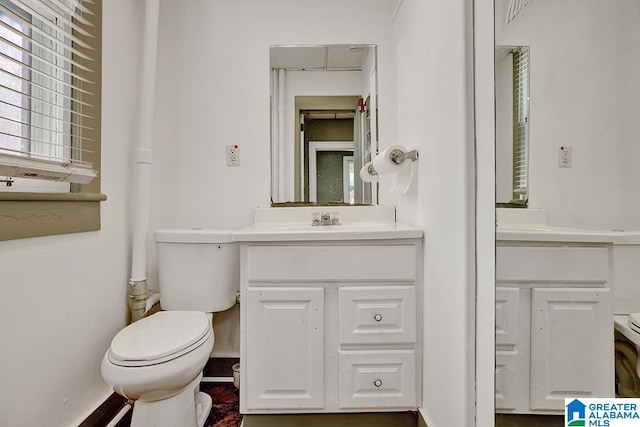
(627, 354)
(158, 361)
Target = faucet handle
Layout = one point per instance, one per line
(335, 218)
(315, 218)
(325, 218)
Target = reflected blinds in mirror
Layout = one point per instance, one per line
(520, 124)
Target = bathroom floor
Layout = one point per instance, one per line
(225, 410)
(508, 420)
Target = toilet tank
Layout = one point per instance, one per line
(197, 269)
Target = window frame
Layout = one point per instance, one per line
(24, 215)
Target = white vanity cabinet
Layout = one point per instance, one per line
(554, 338)
(330, 326)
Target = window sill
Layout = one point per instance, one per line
(24, 215)
(47, 197)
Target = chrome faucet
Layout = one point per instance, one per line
(325, 219)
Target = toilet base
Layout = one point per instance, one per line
(189, 408)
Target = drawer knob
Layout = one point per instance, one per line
(377, 383)
(377, 317)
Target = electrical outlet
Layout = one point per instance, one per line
(233, 155)
(564, 157)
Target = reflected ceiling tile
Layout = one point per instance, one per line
(346, 57)
(298, 58)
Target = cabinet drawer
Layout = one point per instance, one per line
(506, 375)
(331, 263)
(377, 315)
(384, 379)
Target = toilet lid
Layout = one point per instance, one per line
(158, 337)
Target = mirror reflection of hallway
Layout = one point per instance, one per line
(334, 181)
(331, 143)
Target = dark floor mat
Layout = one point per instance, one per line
(225, 411)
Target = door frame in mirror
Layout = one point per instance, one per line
(314, 147)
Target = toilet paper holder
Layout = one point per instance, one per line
(391, 162)
(397, 156)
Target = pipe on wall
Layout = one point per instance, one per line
(281, 136)
(138, 280)
(274, 136)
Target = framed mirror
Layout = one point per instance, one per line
(323, 123)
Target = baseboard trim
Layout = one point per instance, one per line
(420, 421)
(106, 412)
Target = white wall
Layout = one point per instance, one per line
(584, 94)
(64, 297)
(626, 270)
(433, 102)
(628, 89)
(213, 89)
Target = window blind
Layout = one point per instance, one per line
(520, 124)
(46, 76)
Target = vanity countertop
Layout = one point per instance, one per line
(296, 231)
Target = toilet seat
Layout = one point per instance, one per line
(159, 338)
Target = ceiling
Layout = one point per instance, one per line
(327, 58)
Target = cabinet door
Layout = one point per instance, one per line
(571, 346)
(508, 348)
(284, 365)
